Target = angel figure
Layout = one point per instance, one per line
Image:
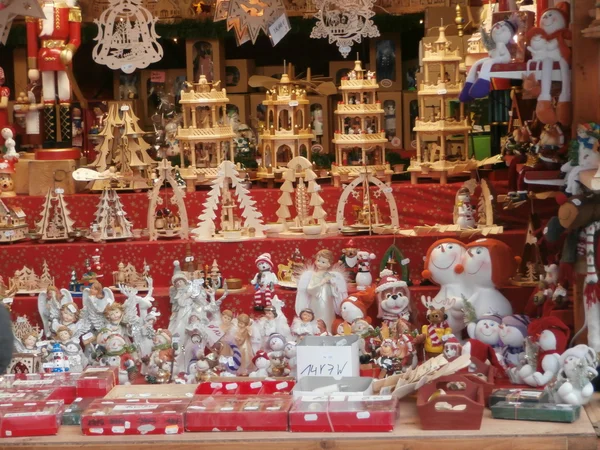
(186, 297)
(274, 321)
(194, 344)
(69, 316)
(95, 300)
(322, 289)
(243, 339)
(211, 311)
(305, 325)
(143, 333)
(49, 306)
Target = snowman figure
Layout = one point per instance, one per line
(262, 362)
(463, 209)
(487, 330)
(578, 368)
(364, 279)
(58, 361)
(9, 143)
(118, 354)
(353, 308)
(513, 332)
(264, 282)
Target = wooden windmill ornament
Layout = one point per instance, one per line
(165, 223)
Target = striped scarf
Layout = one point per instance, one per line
(591, 290)
(433, 337)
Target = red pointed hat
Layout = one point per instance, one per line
(260, 354)
(265, 257)
(556, 326)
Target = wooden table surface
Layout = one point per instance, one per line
(493, 435)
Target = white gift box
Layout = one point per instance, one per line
(328, 356)
(332, 387)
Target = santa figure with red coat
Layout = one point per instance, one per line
(51, 45)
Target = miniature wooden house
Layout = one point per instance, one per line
(287, 133)
(127, 275)
(442, 134)
(206, 134)
(359, 138)
(13, 224)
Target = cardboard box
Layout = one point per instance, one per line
(319, 386)
(127, 417)
(239, 103)
(237, 74)
(205, 57)
(97, 381)
(391, 102)
(152, 391)
(253, 413)
(339, 69)
(44, 175)
(328, 356)
(410, 112)
(31, 419)
(320, 121)
(386, 60)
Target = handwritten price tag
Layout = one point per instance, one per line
(158, 77)
(279, 28)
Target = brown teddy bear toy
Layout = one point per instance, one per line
(434, 334)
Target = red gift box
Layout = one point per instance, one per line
(31, 419)
(225, 413)
(245, 387)
(97, 381)
(11, 396)
(134, 417)
(63, 384)
(309, 414)
(271, 387)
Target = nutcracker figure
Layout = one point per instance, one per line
(4, 96)
(51, 44)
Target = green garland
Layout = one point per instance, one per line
(206, 29)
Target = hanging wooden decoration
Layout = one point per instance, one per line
(127, 38)
(10, 9)
(344, 22)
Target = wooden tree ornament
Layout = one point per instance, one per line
(111, 221)
(306, 196)
(220, 194)
(56, 223)
(165, 223)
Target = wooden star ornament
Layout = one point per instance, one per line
(9, 9)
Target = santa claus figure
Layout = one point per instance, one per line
(353, 308)
(548, 44)
(264, 282)
(364, 279)
(393, 299)
(349, 260)
(51, 44)
(4, 97)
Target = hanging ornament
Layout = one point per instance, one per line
(10, 9)
(249, 17)
(127, 38)
(344, 22)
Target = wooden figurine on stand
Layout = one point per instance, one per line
(111, 221)
(205, 131)
(56, 223)
(307, 195)
(164, 222)
(360, 137)
(231, 226)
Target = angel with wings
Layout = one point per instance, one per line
(69, 316)
(95, 300)
(274, 321)
(322, 288)
(186, 297)
(49, 304)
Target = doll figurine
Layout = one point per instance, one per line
(186, 297)
(57, 361)
(95, 300)
(393, 298)
(387, 359)
(322, 289)
(434, 334)
(264, 282)
(243, 336)
(289, 353)
(49, 304)
(364, 279)
(119, 354)
(349, 260)
(262, 363)
(305, 325)
(161, 360)
(226, 325)
(143, 334)
(352, 309)
(69, 317)
(274, 321)
(513, 332)
(194, 344)
(77, 359)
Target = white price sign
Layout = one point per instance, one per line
(279, 28)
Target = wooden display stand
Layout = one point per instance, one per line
(439, 154)
(358, 128)
(408, 434)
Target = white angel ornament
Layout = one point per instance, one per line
(274, 321)
(69, 316)
(322, 289)
(305, 325)
(49, 304)
(186, 297)
(95, 300)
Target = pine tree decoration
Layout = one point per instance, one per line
(301, 204)
(56, 223)
(124, 148)
(46, 279)
(111, 219)
(318, 213)
(285, 200)
(231, 227)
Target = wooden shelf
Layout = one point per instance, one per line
(494, 434)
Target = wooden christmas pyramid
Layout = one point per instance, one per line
(56, 223)
(231, 226)
(111, 219)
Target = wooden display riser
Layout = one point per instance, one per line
(441, 176)
(494, 434)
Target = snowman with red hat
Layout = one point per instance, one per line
(264, 282)
(364, 279)
(353, 308)
(262, 362)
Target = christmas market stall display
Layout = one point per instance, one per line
(399, 249)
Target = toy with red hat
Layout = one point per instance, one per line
(443, 266)
(264, 282)
(488, 265)
(393, 298)
(364, 278)
(452, 347)
(349, 260)
(353, 308)
(262, 362)
(547, 44)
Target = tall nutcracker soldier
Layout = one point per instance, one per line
(51, 44)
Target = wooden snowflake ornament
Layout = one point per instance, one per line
(344, 22)
(127, 38)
